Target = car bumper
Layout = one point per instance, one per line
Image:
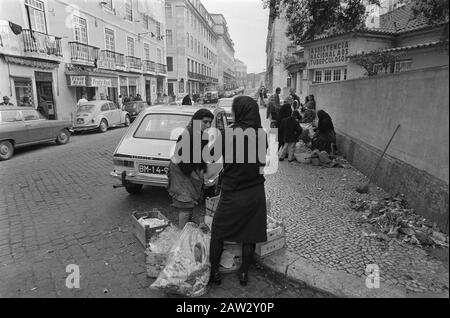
(82, 128)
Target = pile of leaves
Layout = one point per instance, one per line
(391, 218)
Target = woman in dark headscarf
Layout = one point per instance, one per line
(325, 136)
(285, 112)
(186, 100)
(186, 177)
(241, 213)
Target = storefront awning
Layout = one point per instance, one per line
(30, 63)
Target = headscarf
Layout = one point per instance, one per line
(246, 112)
(325, 121)
(186, 100)
(285, 112)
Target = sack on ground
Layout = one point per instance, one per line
(188, 268)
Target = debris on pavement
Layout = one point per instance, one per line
(390, 218)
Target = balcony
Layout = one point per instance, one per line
(161, 68)
(84, 54)
(41, 43)
(107, 60)
(134, 63)
(294, 62)
(148, 66)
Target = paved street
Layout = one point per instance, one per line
(58, 207)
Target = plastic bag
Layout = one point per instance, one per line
(188, 268)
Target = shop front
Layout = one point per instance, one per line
(94, 86)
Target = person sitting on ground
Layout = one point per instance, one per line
(186, 100)
(325, 136)
(290, 132)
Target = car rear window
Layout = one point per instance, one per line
(225, 103)
(10, 116)
(86, 108)
(162, 126)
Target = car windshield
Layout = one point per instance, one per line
(162, 126)
(88, 108)
(225, 103)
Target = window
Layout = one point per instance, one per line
(24, 92)
(10, 116)
(336, 75)
(345, 74)
(187, 39)
(129, 10)
(147, 51)
(168, 11)
(80, 29)
(110, 42)
(401, 66)
(328, 76)
(169, 38)
(192, 42)
(105, 107)
(318, 76)
(36, 15)
(158, 29)
(113, 106)
(170, 64)
(162, 126)
(159, 55)
(146, 21)
(188, 65)
(130, 46)
(107, 4)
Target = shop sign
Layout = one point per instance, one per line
(101, 82)
(77, 80)
(329, 53)
(132, 81)
(123, 81)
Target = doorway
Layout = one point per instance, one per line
(44, 88)
(148, 92)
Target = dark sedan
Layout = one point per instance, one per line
(23, 126)
(135, 108)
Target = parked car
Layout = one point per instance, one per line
(211, 97)
(225, 104)
(134, 108)
(23, 126)
(143, 155)
(100, 114)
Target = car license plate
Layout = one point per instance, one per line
(153, 169)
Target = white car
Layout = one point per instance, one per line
(144, 153)
(226, 104)
(99, 114)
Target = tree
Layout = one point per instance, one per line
(310, 18)
(436, 12)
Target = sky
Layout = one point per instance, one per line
(247, 23)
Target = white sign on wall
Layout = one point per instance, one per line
(77, 80)
(100, 82)
(332, 53)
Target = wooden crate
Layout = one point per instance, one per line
(143, 234)
(264, 249)
(155, 263)
(277, 232)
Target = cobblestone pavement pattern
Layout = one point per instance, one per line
(58, 207)
(314, 204)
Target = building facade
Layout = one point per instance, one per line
(240, 70)
(276, 51)
(55, 51)
(192, 45)
(256, 80)
(225, 53)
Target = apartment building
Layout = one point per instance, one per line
(225, 52)
(57, 50)
(240, 70)
(192, 58)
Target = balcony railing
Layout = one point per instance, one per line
(149, 66)
(120, 60)
(134, 63)
(37, 42)
(107, 60)
(83, 53)
(161, 68)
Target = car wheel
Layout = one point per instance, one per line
(103, 126)
(6, 150)
(127, 121)
(134, 188)
(63, 137)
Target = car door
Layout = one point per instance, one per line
(105, 111)
(37, 127)
(13, 127)
(116, 114)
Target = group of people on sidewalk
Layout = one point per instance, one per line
(241, 213)
(300, 122)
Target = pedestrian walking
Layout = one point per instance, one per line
(285, 112)
(6, 102)
(295, 98)
(274, 107)
(186, 183)
(241, 214)
(290, 132)
(120, 101)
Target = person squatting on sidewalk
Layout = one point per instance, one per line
(186, 179)
(290, 131)
(241, 213)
